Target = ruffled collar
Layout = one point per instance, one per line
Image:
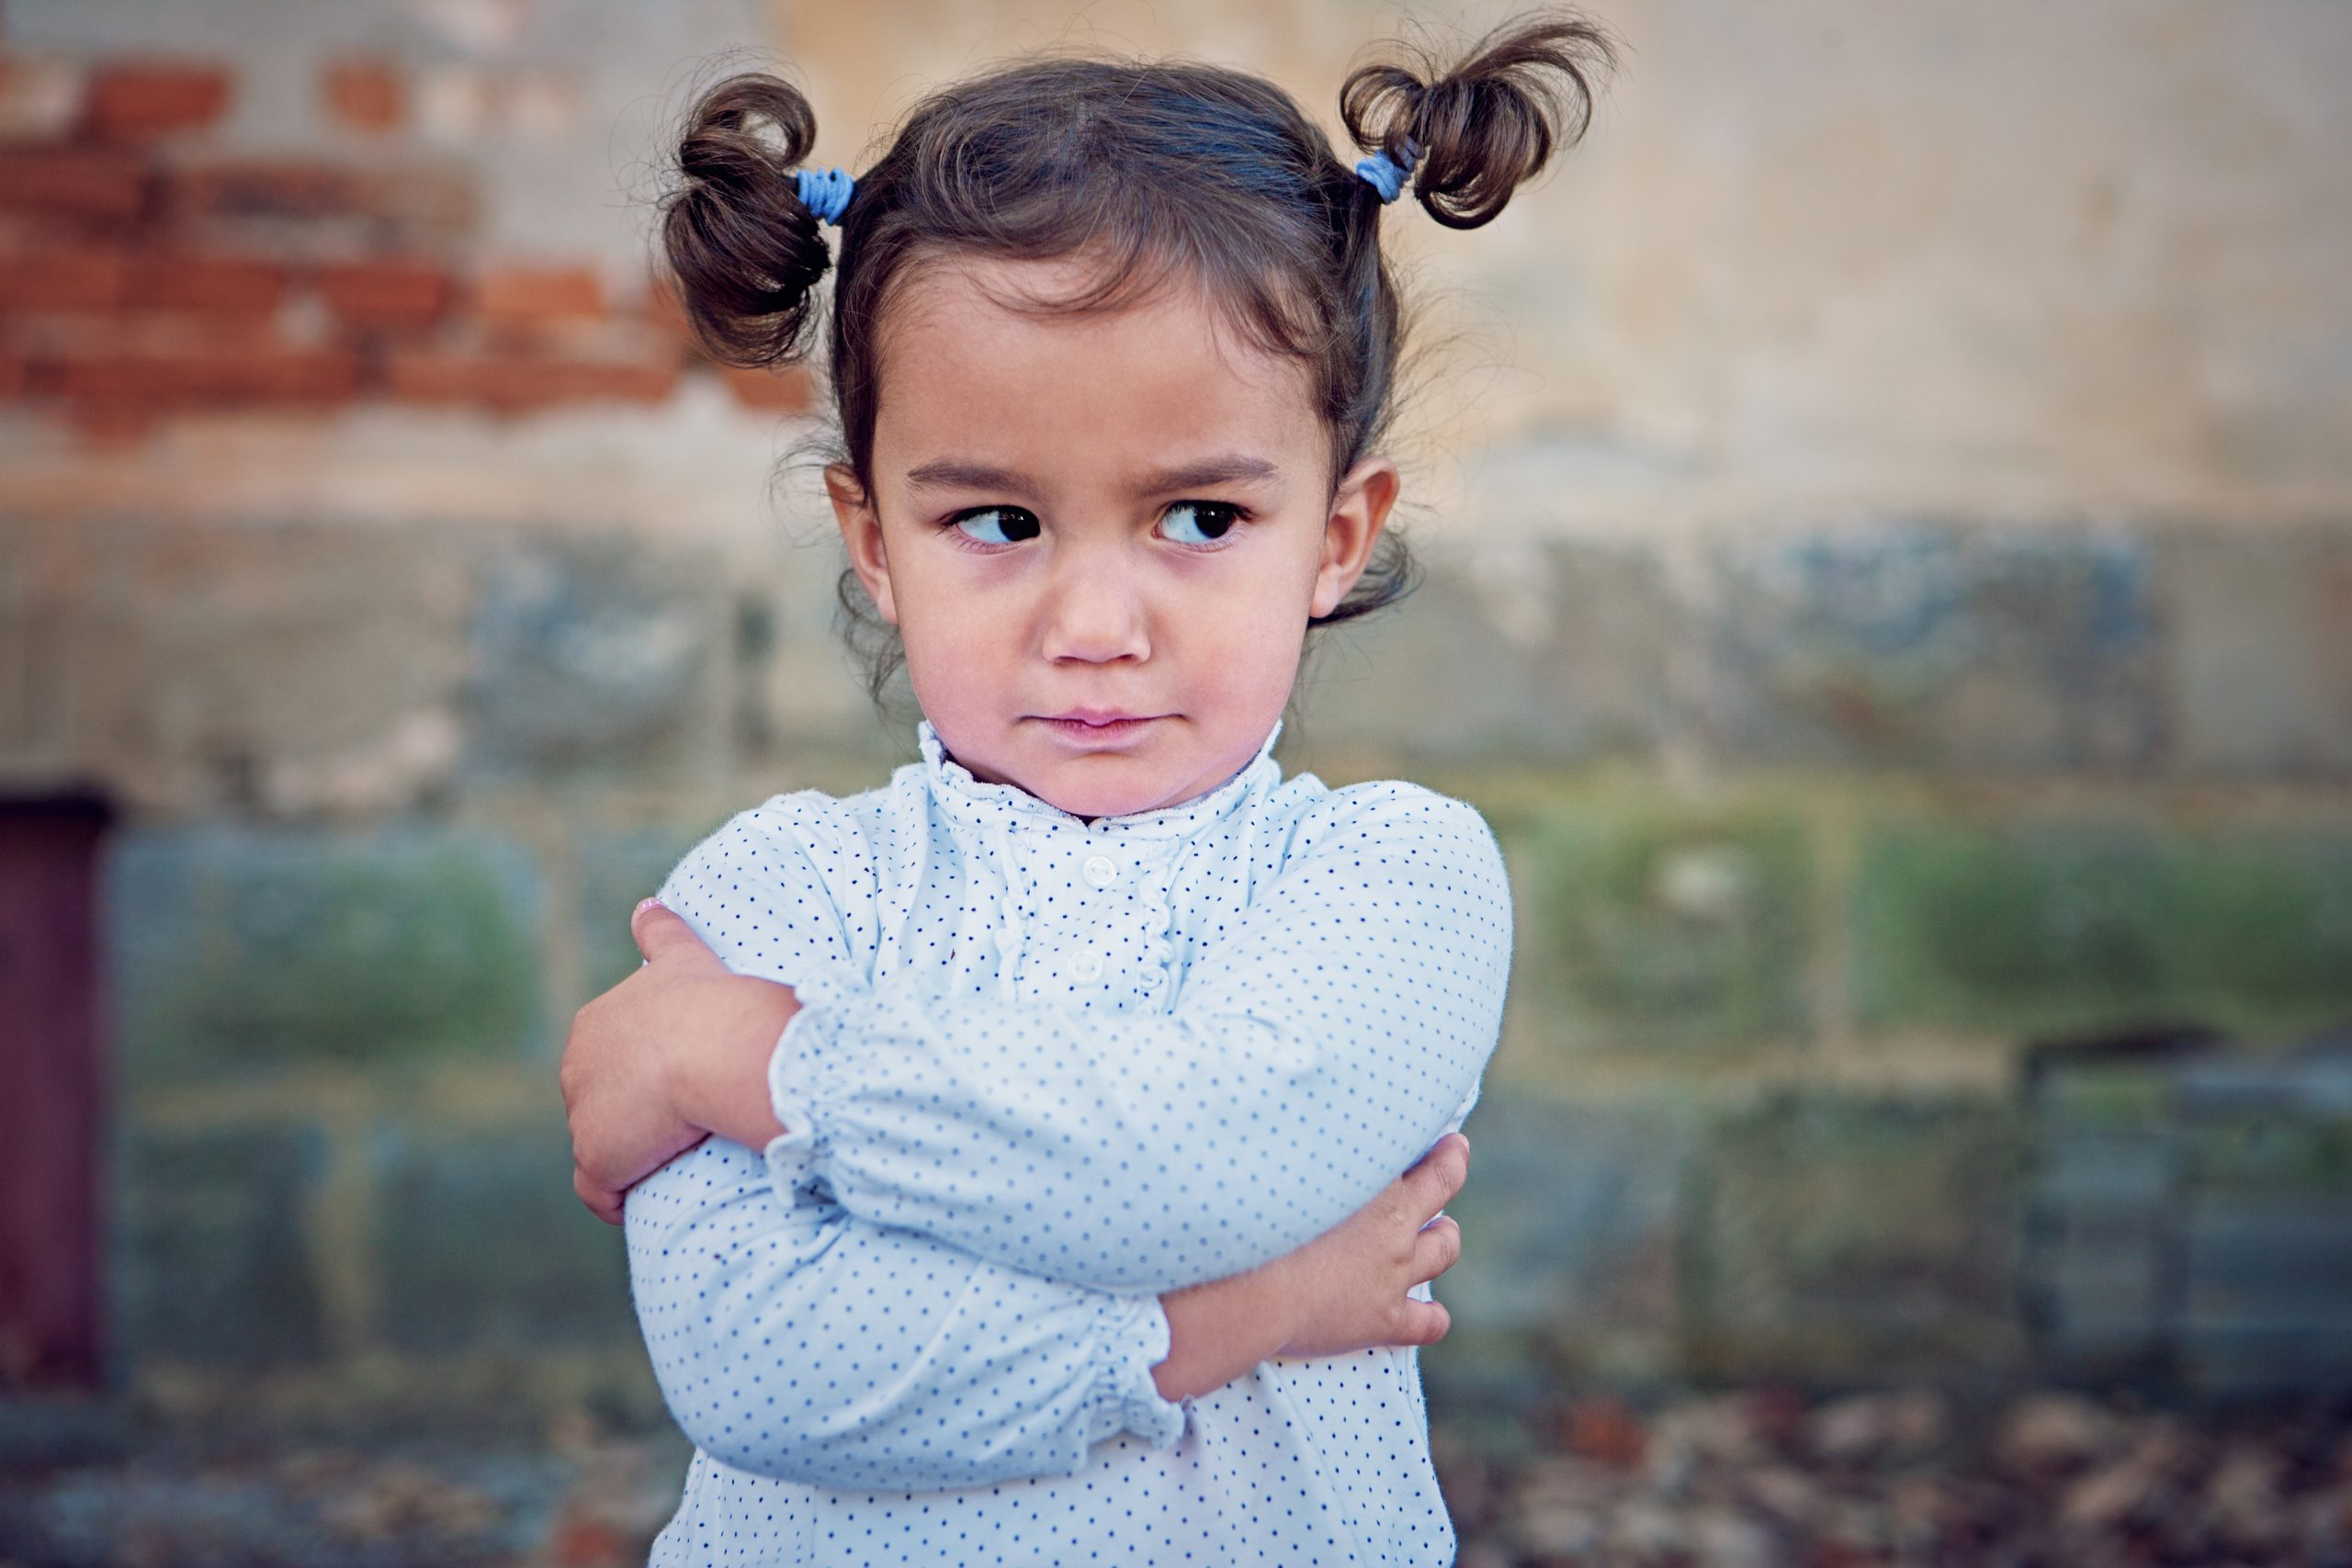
(952, 786)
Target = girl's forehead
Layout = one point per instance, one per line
(989, 344)
(992, 306)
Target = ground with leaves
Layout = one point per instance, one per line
(1751, 1478)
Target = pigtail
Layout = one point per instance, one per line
(746, 252)
(1475, 134)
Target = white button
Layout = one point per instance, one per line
(1100, 871)
(1087, 967)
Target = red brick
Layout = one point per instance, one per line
(226, 286)
(267, 188)
(414, 199)
(13, 376)
(39, 96)
(259, 372)
(111, 422)
(61, 280)
(364, 95)
(90, 184)
(386, 293)
(775, 392)
(530, 297)
(514, 383)
(139, 101)
(658, 306)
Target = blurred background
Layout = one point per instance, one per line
(1887, 499)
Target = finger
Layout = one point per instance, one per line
(603, 1202)
(1438, 1176)
(1436, 1249)
(1419, 1323)
(661, 933)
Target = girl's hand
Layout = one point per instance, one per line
(1347, 1286)
(677, 1051)
(1344, 1290)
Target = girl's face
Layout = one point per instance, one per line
(1100, 536)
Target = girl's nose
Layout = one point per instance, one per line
(1094, 609)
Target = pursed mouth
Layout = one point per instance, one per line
(1097, 725)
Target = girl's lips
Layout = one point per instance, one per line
(1094, 724)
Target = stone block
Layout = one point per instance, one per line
(612, 870)
(1649, 928)
(211, 1264)
(1555, 651)
(243, 950)
(2061, 927)
(483, 1245)
(285, 669)
(2258, 681)
(1854, 1237)
(598, 656)
(2125, 1095)
(1571, 1219)
(1927, 647)
(2268, 1289)
(2102, 1264)
(2196, 1225)
(2262, 939)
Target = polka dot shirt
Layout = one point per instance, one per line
(1045, 1070)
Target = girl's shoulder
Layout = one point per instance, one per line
(792, 846)
(821, 827)
(1388, 816)
(840, 840)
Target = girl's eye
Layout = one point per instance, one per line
(997, 525)
(1198, 521)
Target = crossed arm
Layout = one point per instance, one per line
(1010, 1170)
(792, 1339)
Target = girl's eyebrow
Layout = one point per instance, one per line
(1223, 470)
(949, 473)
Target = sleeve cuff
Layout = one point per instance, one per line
(796, 1071)
(1133, 1333)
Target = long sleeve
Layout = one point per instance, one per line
(792, 1340)
(1323, 1038)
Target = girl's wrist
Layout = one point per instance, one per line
(1218, 1331)
(718, 1078)
(1282, 1293)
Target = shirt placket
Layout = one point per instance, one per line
(1113, 903)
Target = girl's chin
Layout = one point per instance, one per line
(1107, 786)
(1100, 797)
(1144, 771)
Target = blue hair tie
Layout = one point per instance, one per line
(826, 193)
(1386, 175)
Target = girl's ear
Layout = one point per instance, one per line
(1359, 510)
(862, 532)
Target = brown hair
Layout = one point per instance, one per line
(1165, 167)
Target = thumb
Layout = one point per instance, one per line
(661, 932)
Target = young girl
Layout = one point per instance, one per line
(1063, 1082)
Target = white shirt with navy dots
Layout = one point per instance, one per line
(1046, 1069)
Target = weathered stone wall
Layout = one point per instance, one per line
(1890, 532)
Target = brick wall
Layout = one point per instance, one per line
(371, 539)
(146, 270)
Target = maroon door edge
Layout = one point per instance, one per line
(52, 1090)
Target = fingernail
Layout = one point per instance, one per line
(653, 903)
